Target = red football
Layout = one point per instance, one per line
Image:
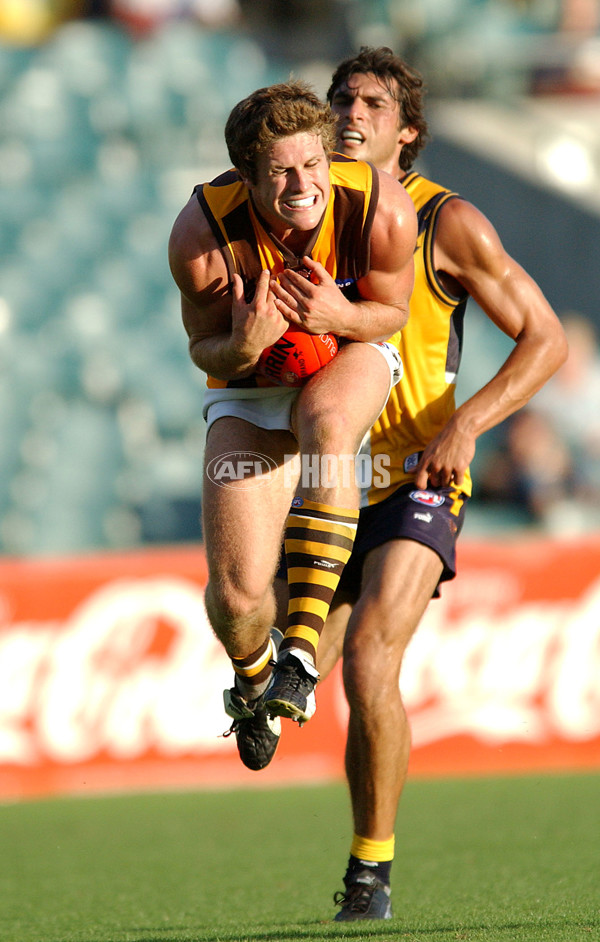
(296, 356)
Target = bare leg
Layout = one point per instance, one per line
(243, 528)
(398, 582)
(334, 412)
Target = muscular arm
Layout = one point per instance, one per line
(226, 335)
(468, 249)
(319, 305)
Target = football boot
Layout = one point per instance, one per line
(365, 897)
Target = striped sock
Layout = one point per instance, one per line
(253, 673)
(318, 544)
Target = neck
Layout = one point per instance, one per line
(293, 244)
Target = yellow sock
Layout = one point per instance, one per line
(375, 851)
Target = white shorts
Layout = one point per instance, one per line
(268, 407)
(271, 406)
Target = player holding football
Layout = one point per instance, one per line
(405, 545)
(240, 252)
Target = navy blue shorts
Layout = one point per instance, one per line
(433, 517)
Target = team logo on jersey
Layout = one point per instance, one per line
(348, 288)
(297, 502)
(411, 462)
(427, 497)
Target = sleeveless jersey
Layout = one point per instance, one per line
(430, 346)
(341, 243)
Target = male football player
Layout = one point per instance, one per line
(289, 236)
(405, 544)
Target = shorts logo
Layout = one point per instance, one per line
(427, 497)
(297, 502)
(426, 518)
(242, 469)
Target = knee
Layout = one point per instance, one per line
(230, 608)
(325, 427)
(371, 671)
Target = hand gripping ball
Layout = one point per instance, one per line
(296, 356)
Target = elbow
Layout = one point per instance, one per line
(393, 324)
(563, 349)
(218, 367)
(558, 351)
(195, 351)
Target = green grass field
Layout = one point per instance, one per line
(501, 860)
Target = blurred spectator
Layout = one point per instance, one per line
(573, 67)
(300, 30)
(580, 17)
(548, 464)
(29, 22)
(144, 16)
(532, 469)
(571, 402)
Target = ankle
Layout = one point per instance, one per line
(305, 659)
(380, 869)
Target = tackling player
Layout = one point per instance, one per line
(405, 545)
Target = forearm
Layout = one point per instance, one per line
(530, 364)
(372, 320)
(221, 357)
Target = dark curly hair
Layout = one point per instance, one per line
(272, 113)
(404, 84)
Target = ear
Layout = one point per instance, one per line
(407, 134)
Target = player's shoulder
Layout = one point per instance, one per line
(191, 229)
(195, 258)
(465, 237)
(459, 216)
(394, 201)
(389, 187)
(431, 197)
(426, 194)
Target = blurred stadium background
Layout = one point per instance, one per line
(111, 112)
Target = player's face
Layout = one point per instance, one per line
(292, 184)
(369, 122)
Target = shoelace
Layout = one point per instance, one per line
(239, 722)
(357, 898)
(298, 679)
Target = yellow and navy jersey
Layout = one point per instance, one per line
(341, 243)
(431, 346)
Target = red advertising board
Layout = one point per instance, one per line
(111, 678)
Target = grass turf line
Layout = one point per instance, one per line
(500, 860)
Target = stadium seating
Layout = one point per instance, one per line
(102, 138)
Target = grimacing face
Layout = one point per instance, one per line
(292, 184)
(369, 122)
